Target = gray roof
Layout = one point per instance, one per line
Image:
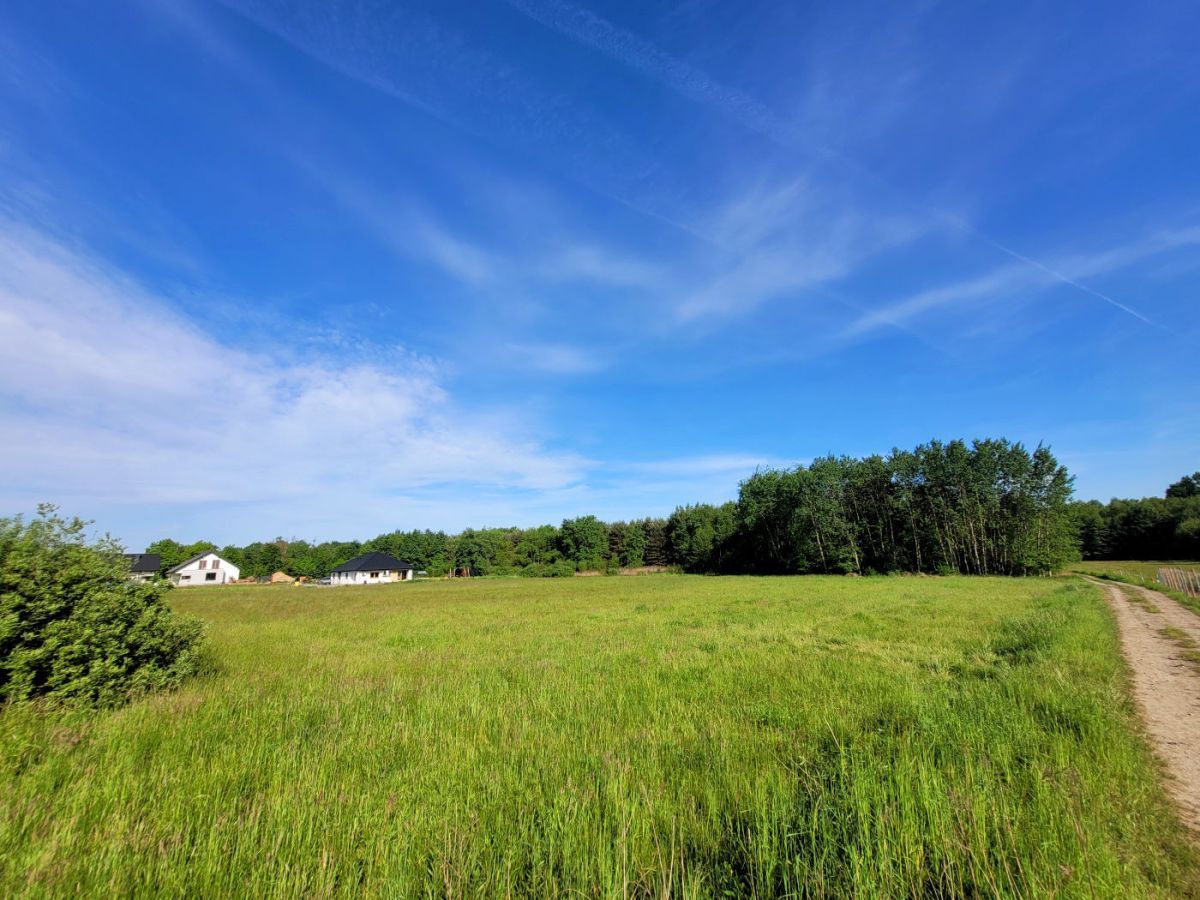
(143, 563)
(373, 562)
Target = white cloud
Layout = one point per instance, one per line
(154, 423)
(109, 397)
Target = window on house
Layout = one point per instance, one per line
(374, 574)
(203, 564)
(216, 563)
(211, 576)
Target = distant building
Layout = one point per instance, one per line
(203, 569)
(372, 568)
(143, 566)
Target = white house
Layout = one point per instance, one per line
(202, 569)
(372, 568)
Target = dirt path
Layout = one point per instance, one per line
(1166, 684)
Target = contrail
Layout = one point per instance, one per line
(642, 55)
(1059, 275)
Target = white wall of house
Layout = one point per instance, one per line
(208, 570)
(382, 576)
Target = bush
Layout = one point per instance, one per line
(548, 570)
(74, 628)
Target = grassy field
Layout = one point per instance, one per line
(608, 737)
(1132, 567)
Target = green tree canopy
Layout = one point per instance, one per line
(584, 541)
(1185, 487)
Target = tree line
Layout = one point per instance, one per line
(988, 508)
(1166, 527)
(985, 508)
(580, 544)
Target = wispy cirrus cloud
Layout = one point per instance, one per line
(27, 73)
(761, 275)
(435, 67)
(796, 230)
(644, 56)
(782, 238)
(584, 260)
(548, 249)
(827, 216)
(559, 358)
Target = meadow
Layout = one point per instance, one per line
(1134, 568)
(815, 736)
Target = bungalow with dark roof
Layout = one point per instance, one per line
(371, 568)
(143, 566)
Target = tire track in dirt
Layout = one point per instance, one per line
(1166, 686)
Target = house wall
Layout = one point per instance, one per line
(386, 576)
(192, 575)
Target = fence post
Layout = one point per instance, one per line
(1186, 581)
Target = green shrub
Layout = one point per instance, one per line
(548, 570)
(74, 628)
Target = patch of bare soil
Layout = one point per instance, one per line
(1158, 638)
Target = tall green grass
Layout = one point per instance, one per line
(610, 737)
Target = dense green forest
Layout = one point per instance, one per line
(991, 507)
(1166, 527)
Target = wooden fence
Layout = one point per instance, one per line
(1186, 581)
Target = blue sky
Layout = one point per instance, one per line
(328, 269)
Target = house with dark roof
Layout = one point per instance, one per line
(143, 566)
(204, 569)
(371, 568)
